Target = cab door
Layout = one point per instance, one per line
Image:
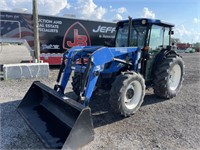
(158, 39)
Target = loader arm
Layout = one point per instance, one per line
(97, 58)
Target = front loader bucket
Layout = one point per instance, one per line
(60, 122)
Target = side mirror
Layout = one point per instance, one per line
(171, 32)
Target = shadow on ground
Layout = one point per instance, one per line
(101, 109)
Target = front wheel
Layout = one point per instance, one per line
(127, 93)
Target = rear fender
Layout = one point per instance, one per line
(161, 56)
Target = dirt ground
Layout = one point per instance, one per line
(171, 124)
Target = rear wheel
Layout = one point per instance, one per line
(127, 93)
(169, 77)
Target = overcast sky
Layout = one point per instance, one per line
(185, 14)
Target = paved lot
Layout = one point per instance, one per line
(171, 124)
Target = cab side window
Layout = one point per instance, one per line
(156, 37)
(159, 37)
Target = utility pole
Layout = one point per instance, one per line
(36, 32)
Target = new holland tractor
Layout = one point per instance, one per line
(140, 56)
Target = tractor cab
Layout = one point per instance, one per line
(151, 35)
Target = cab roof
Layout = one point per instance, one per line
(149, 21)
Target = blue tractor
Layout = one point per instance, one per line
(140, 56)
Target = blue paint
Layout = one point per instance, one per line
(100, 56)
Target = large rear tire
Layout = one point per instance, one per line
(169, 77)
(127, 93)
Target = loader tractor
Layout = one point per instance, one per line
(139, 57)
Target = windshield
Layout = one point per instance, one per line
(138, 34)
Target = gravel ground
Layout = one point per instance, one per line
(171, 124)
